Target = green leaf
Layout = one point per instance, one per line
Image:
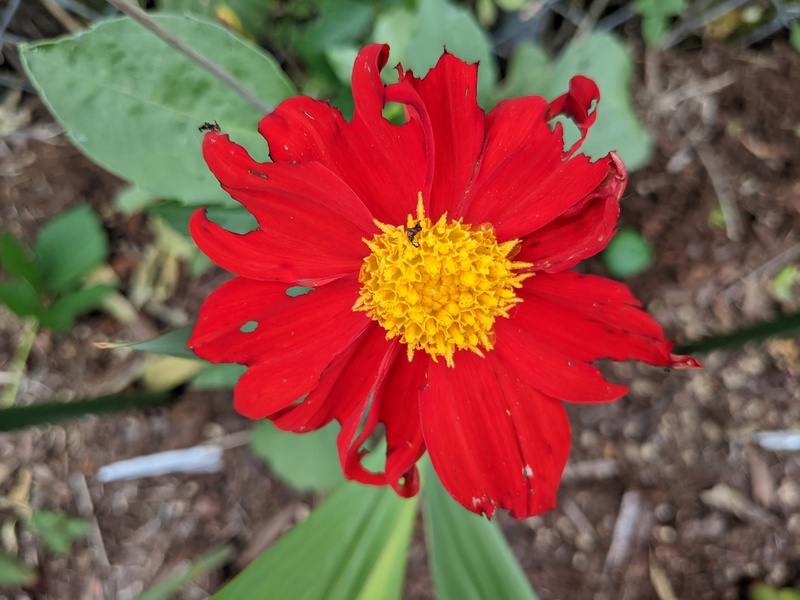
(783, 326)
(603, 58)
(233, 218)
(15, 572)
(18, 261)
(794, 33)
(628, 254)
(656, 15)
(20, 298)
(529, 72)
(70, 246)
(62, 314)
(57, 530)
(395, 27)
(249, 16)
(53, 412)
(133, 104)
(211, 560)
(353, 546)
(132, 199)
(468, 555)
(304, 461)
(342, 23)
(221, 376)
(437, 24)
(172, 343)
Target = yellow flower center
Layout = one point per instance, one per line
(439, 286)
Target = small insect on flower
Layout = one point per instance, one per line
(413, 232)
(205, 127)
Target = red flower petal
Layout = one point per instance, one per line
(397, 401)
(582, 231)
(587, 317)
(296, 338)
(384, 164)
(343, 394)
(297, 207)
(577, 104)
(552, 371)
(357, 387)
(493, 440)
(524, 178)
(449, 94)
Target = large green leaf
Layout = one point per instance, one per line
(133, 104)
(352, 547)
(469, 557)
(17, 260)
(20, 298)
(418, 39)
(69, 246)
(603, 58)
(304, 461)
(18, 417)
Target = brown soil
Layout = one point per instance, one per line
(727, 129)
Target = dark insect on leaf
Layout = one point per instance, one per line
(209, 127)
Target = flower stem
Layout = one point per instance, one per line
(29, 329)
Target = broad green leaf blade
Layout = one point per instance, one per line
(439, 24)
(62, 314)
(304, 461)
(528, 73)
(233, 218)
(15, 572)
(353, 546)
(54, 412)
(211, 560)
(172, 343)
(627, 254)
(20, 298)
(219, 376)
(18, 261)
(70, 246)
(469, 557)
(784, 326)
(133, 104)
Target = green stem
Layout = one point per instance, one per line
(29, 329)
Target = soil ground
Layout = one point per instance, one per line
(708, 510)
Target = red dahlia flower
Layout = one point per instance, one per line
(442, 306)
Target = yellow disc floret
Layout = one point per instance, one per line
(439, 286)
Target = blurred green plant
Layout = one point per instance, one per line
(656, 17)
(762, 591)
(628, 254)
(15, 572)
(46, 287)
(48, 284)
(57, 530)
